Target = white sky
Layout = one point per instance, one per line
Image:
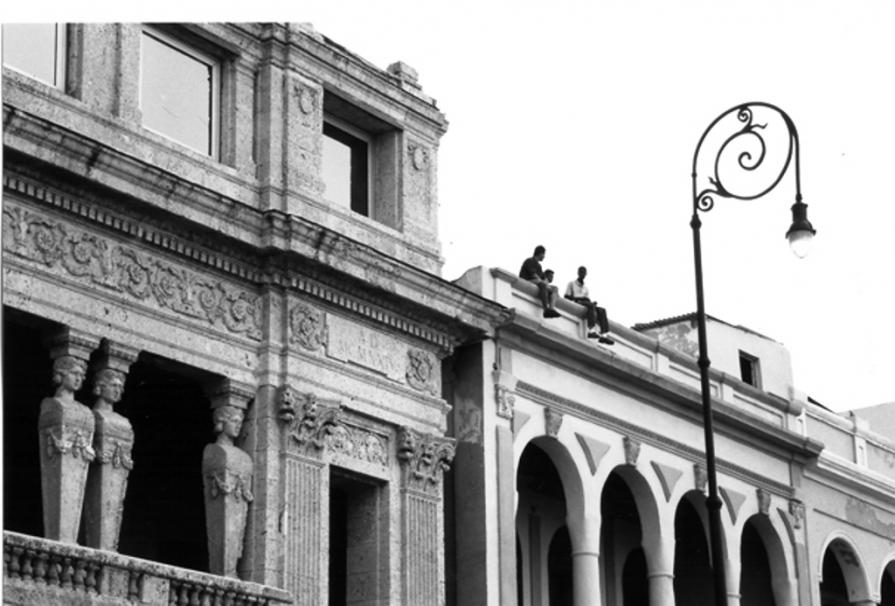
(573, 125)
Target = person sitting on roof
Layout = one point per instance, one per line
(577, 291)
(531, 271)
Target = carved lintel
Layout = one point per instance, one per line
(700, 477)
(797, 511)
(552, 421)
(764, 501)
(506, 401)
(117, 356)
(632, 450)
(424, 459)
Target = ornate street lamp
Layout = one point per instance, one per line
(748, 151)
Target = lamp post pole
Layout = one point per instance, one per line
(753, 152)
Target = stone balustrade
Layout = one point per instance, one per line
(41, 571)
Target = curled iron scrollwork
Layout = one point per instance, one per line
(744, 151)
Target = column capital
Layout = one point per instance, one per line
(68, 341)
(226, 392)
(424, 458)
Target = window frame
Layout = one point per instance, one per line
(60, 63)
(361, 136)
(216, 65)
(754, 367)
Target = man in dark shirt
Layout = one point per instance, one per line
(531, 271)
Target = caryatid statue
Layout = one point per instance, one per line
(227, 478)
(113, 441)
(65, 430)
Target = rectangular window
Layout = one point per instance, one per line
(36, 49)
(749, 369)
(346, 166)
(180, 91)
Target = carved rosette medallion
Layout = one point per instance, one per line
(700, 477)
(419, 158)
(307, 327)
(506, 401)
(797, 512)
(764, 501)
(424, 459)
(632, 450)
(421, 371)
(552, 422)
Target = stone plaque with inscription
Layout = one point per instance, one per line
(375, 351)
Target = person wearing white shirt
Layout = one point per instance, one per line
(578, 292)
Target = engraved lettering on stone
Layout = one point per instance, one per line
(552, 421)
(378, 352)
(421, 370)
(424, 458)
(86, 256)
(632, 450)
(307, 326)
(764, 501)
(506, 401)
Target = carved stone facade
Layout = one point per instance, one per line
(183, 281)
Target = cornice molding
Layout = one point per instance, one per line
(626, 428)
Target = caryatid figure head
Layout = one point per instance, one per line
(227, 423)
(68, 376)
(108, 387)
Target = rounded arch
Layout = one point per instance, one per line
(846, 554)
(692, 582)
(887, 581)
(648, 511)
(778, 571)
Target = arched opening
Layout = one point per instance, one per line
(623, 570)
(559, 569)
(755, 569)
(635, 588)
(541, 518)
(833, 591)
(887, 586)
(692, 569)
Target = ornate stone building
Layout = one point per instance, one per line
(233, 376)
(223, 240)
(579, 474)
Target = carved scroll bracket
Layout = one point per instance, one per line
(504, 393)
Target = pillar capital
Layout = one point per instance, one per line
(68, 341)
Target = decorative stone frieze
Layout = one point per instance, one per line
(422, 370)
(65, 435)
(314, 421)
(764, 501)
(151, 280)
(227, 479)
(700, 477)
(424, 458)
(552, 421)
(797, 513)
(113, 441)
(632, 450)
(307, 327)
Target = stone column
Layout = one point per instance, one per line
(659, 551)
(586, 562)
(65, 434)
(423, 458)
(113, 440)
(732, 568)
(227, 481)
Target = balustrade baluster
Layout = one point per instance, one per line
(15, 565)
(68, 572)
(54, 570)
(40, 568)
(27, 567)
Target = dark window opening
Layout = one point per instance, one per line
(749, 369)
(559, 569)
(358, 535)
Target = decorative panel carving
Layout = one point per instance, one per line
(307, 327)
(90, 258)
(422, 371)
(424, 459)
